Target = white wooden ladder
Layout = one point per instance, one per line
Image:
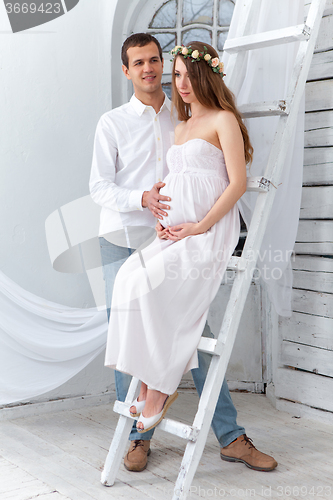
(220, 348)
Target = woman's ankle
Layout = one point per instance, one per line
(143, 392)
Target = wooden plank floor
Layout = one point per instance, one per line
(59, 456)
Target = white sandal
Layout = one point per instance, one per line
(139, 407)
(151, 422)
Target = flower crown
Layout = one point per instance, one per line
(215, 63)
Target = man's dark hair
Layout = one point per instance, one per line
(138, 40)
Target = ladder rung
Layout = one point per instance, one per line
(122, 408)
(211, 346)
(259, 184)
(168, 425)
(235, 264)
(273, 108)
(179, 429)
(268, 38)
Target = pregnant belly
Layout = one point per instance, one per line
(191, 198)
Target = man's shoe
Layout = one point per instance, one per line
(136, 457)
(242, 450)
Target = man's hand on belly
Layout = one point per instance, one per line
(152, 200)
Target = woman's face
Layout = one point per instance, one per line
(183, 83)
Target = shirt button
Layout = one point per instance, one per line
(158, 139)
(159, 159)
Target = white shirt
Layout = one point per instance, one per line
(130, 147)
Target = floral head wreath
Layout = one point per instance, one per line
(195, 55)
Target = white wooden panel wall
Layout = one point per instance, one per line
(317, 202)
(318, 153)
(318, 166)
(306, 355)
(315, 237)
(309, 389)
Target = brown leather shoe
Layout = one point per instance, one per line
(136, 457)
(242, 450)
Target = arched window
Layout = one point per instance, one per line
(177, 22)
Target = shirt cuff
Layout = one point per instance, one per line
(135, 200)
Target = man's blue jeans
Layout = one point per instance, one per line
(224, 421)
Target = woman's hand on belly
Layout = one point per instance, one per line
(162, 232)
(183, 230)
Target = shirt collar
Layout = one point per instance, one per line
(139, 107)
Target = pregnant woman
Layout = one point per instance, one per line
(163, 292)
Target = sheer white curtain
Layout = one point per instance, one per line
(43, 344)
(266, 75)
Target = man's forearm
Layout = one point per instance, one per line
(119, 199)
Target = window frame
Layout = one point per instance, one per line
(215, 27)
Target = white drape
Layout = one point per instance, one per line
(266, 76)
(43, 344)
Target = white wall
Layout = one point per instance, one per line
(55, 83)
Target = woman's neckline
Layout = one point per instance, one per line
(199, 139)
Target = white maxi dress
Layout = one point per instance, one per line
(162, 293)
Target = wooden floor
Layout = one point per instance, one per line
(60, 455)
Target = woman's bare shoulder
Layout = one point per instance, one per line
(226, 123)
(225, 116)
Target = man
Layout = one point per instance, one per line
(128, 166)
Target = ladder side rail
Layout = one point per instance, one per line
(277, 158)
(119, 441)
(242, 282)
(229, 326)
(284, 133)
(212, 387)
(234, 77)
(312, 17)
(278, 154)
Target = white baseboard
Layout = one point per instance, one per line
(71, 403)
(256, 387)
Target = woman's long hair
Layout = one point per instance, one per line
(210, 90)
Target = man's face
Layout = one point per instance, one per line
(145, 68)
